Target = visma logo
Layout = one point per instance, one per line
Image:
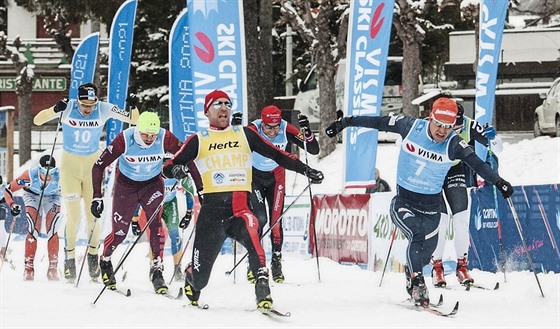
(376, 21)
(206, 51)
(81, 123)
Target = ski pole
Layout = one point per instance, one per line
(184, 250)
(522, 236)
(547, 224)
(86, 253)
(311, 214)
(500, 240)
(269, 229)
(12, 225)
(388, 253)
(119, 265)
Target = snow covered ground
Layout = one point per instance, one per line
(346, 296)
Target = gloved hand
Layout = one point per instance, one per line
(135, 228)
(505, 188)
(15, 209)
(489, 132)
(179, 172)
(186, 220)
(236, 118)
(334, 128)
(132, 100)
(315, 176)
(97, 207)
(61, 105)
(303, 122)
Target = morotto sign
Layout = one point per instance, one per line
(342, 227)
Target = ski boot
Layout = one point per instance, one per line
(191, 294)
(419, 290)
(70, 270)
(93, 265)
(52, 272)
(262, 290)
(178, 273)
(158, 281)
(107, 275)
(438, 278)
(408, 281)
(462, 272)
(29, 270)
(276, 267)
(250, 276)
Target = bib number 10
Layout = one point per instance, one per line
(82, 136)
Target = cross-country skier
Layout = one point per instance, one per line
(223, 156)
(428, 150)
(82, 121)
(269, 179)
(40, 185)
(140, 151)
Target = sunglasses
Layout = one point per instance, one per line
(440, 124)
(271, 127)
(218, 105)
(87, 104)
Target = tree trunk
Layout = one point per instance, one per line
(258, 46)
(25, 120)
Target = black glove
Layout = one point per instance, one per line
(236, 119)
(303, 122)
(186, 220)
(334, 128)
(135, 228)
(97, 207)
(179, 172)
(61, 105)
(15, 209)
(315, 176)
(505, 188)
(132, 100)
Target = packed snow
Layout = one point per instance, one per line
(345, 296)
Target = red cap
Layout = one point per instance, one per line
(444, 110)
(271, 115)
(212, 97)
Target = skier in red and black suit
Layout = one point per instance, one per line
(269, 179)
(223, 156)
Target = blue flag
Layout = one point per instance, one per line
(213, 50)
(368, 48)
(182, 111)
(491, 30)
(122, 33)
(83, 63)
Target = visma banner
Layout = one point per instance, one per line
(538, 208)
(368, 47)
(491, 26)
(83, 63)
(122, 33)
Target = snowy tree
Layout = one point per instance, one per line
(316, 24)
(24, 85)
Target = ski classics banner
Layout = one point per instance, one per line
(83, 63)
(368, 47)
(122, 33)
(208, 48)
(491, 30)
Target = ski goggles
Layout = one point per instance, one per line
(84, 104)
(218, 105)
(440, 124)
